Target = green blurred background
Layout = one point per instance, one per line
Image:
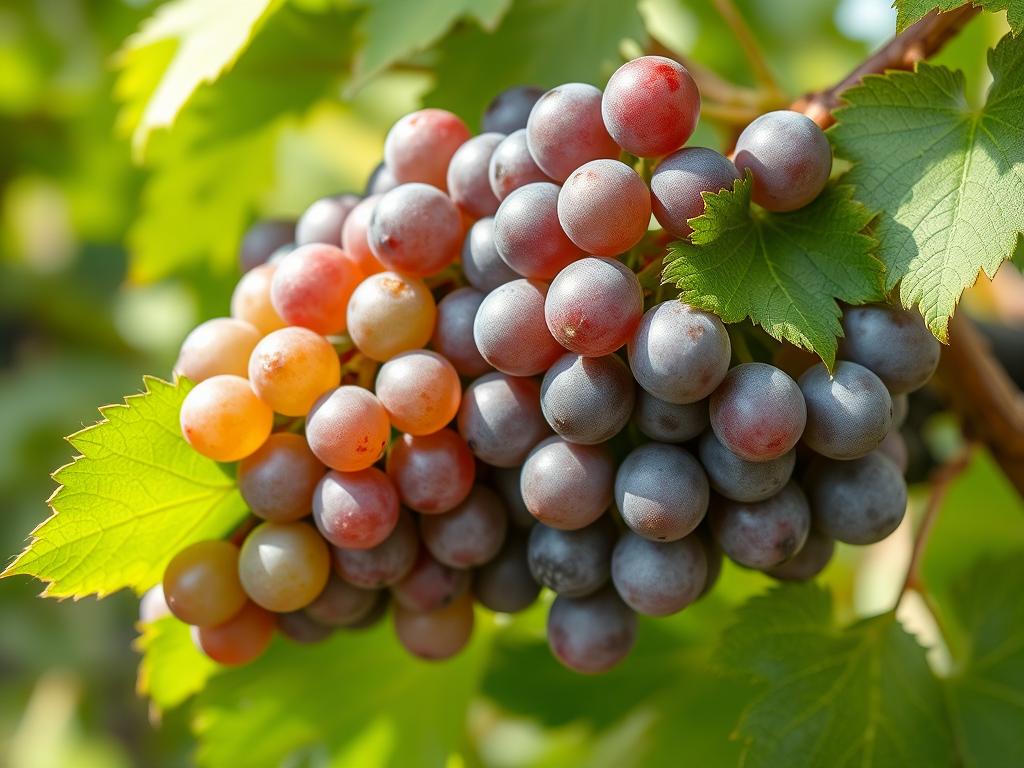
(102, 274)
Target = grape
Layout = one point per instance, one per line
(355, 510)
(387, 563)
(277, 482)
(262, 239)
(669, 422)
(510, 332)
(240, 640)
(323, 220)
(572, 563)
(604, 207)
(565, 485)
(587, 399)
(591, 634)
(512, 166)
(224, 420)
(290, 369)
(481, 263)
(153, 605)
(390, 313)
(658, 579)
(857, 502)
(848, 414)
(429, 585)
(355, 233)
(437, 635)
(758, 412)
(811, 560)
(381, 180)
(713, 555)
(506, 482)
(348, 429)
(900, 410)
(650, 106)
(894, 447)
(342, 604)
(419, 147)
(378, 612)
(593, 306)
(741, 480)
(283, 566)
(661, 491)
(762, 534)
(300, 628)
(528, 235)
(251, 299)
(565, 130)
(433, 473)
(500, 419)
(312, 286)
(453, 334)
(201, 583)
(468, 183)
(679, 354)
(415, 229)
(505, 584)
(789, 157)
(218, 346)
(679, 179)
(420, 390)
(893, 343)
(469, 535)
(510, 109)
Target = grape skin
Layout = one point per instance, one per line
(429, 585)
(283, 566)
(224, 420)
(292, 368)
(438, 634)
(587, 399)
(348, 429)
(512, 166)
(355, 233)
(312, 286)
(740, 480)
(419, 147)
(380, 180)
(848, 414)
(501, 420)
(762, 534)
(240, 640)
(415, 229)
(341, 604)
(262, 239)
(565, 485)
(201, 586)
(390, 313)
(661, 491)
(658, 579)
(468, 182)
(713, 555)
(900, 410)
(669, 422)
(433, 473)
(811, 560)
(650, 106)
(789, 157)
(420, 390)
(322, 221)
(481, 263)
(278, 481)
(385, 564)
(893, 343)
(565, 129)
(591, 634)
(300, 628)
(251, 299)
(679, 354)
(505, 584)
(218, 346)
(355, 510)
(572, 563)
(469, 535)
(453, 333)
(758, 412)
(510, 109)
(894, 448)
(510, 331)
(529, 235)
(506, 482)
(679, 180)
(604, 207)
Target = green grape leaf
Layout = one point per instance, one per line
(355, 693)
(947, 177)
(183, 45)
(172, 669)
(135, 496)
(861, 695)
(392, 30)
(475, 64)
(911, 11)
(786, 271)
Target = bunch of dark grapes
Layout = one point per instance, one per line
(453, 389)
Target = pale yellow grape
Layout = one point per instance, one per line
(251, 299)
(220, 345)
(291, 368)
(390, 313)
(284, 566)
(224, 420)
(420, 391)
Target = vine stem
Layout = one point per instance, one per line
(751, 49)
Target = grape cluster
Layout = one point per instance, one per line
(556, 434)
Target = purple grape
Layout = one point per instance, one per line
(572, 563)
(679, 180)
(453, 333)
(323, 220)
(848, 413)
(762, 534)
(741, 480)
(387, 563)
(857, 502)
(415, 229)
(510, 109)
(481, 263)
(591, 634)
(430, 585)
(300, 628)
(341, 604)
(505, 584)
(811, 560)
(512, 166)
(506, 483)
(262, 239)
(668, 422)
(381, 180)
(712, 554)
(500, 419)
(661, 491)
(894, 447)
(659, 578)
(510, 332)
(900, 410)
(469, 535)
(468, 183)
(565, 485)
(528, 235)
(587, 399)
(893, 343)
(565, 130)
(604, 207)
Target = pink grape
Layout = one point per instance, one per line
(433, 473)
(348, 429)
(385, 564)
(566, 129)
(510, 330)
(528, 235)
(438, 634)
(593, 306)
(419, 147)
(565, 485)
(679, 180)
(420, 391)
(469, 535)
(512, 166)
(604, 207)
(453, 334)
(468, 183)
(415, 229)
(429, 585)
(354, 236)
(355, 510)
(323, 220)
(312, 286)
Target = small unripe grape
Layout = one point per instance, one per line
(658, 578)
(758, 412)
(354, 236)
(439, 634)
(429, 585)
(355, 510)
(312, 286)
(420, 390)
(284, 566)
(341, 604)
(661, 491)
(591, 634)
(251, 299)
(390, 313)
(679, 180)
(419, 147)
(510, 331)
(510, 109)
(604, 207)
(262, 239)
(849, 412)
(277, 482)
(505, 584)
(218, 346)
(528, 235)
(348, 429)
(512, 166)
(762, 534)
(201, 583)
(669, 422)
(453, 334)
(811, 560)
(385, 564)
(468, 184)
(433, 473)
(481, 263)
(224, 420)
(565, 485)
(291, 368)
(240, 640)
(469, 535)
(323, 220)
(501, 420)
(565, 129)
(415, 229)
(893, 343)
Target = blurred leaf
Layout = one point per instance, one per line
(944, 175)
(136, 495)
(786, 272)
(539, 42)
(172, 668)
(910, 11)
